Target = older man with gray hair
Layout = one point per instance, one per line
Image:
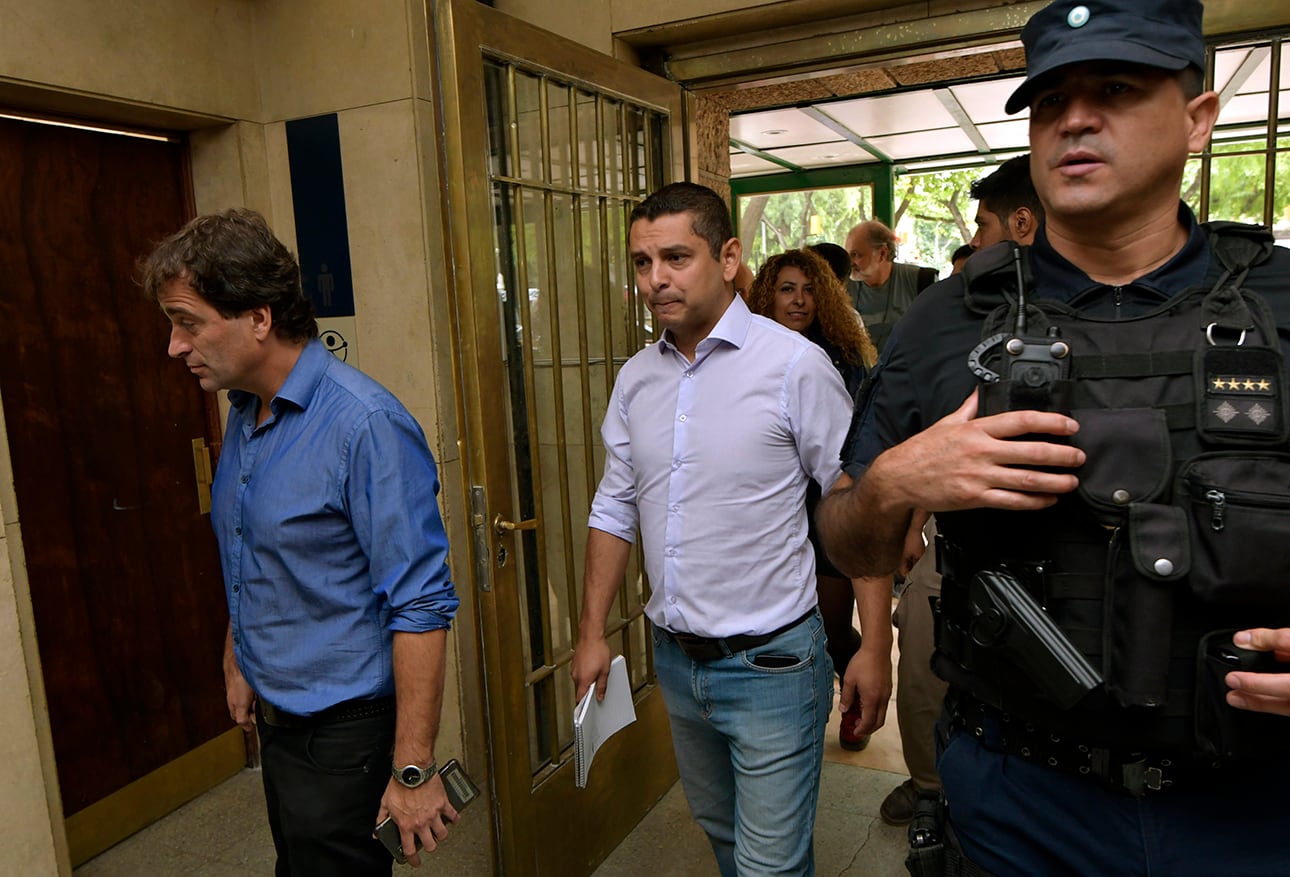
(881, 288)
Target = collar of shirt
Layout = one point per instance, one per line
(1059, 279)
(301, 383)
(732, 328)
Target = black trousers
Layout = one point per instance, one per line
(323, 787)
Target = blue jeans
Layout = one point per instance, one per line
(749, 741)
(1016, 818)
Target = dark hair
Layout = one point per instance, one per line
(836, 256)
(837, 319)
(961, 253)
(1007, 189)
(709, 215)
(1191, 79)
(234, 262)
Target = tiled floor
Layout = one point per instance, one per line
(224, 834)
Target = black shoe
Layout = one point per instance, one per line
(898, 807)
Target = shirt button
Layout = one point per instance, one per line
(237, 531)
(236, 588)
(682, 418)
(676, 464)
(246, 478)
(689, 374)
(676, 508)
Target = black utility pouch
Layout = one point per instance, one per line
(1146, 570)
(1239, 506)
(1128, 459)
(1223, 731)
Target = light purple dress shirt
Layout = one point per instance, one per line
(711, 461)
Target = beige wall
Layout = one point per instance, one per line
(233, 71)
(31, 835)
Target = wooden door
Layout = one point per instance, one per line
(549, 146)
(122, 566)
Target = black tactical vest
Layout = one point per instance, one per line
(1109, 616)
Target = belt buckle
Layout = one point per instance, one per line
(1137, 777)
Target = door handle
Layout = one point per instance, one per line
(204, 476)
(501, 526)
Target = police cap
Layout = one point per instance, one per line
(1157, 33)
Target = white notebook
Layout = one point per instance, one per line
(594, 721)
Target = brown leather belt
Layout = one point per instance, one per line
(341, 712)
(710, 648)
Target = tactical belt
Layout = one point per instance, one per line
(342, 712)
(1131, 772)
(710, 648)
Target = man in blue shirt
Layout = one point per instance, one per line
(333, 554)
(711, 437)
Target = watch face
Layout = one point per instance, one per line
(412, 775)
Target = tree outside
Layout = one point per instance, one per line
(779, 221)
(934, 215)
(1238, 181)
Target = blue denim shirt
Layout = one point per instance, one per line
(329, 534)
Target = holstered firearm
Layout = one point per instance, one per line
(1008, 620)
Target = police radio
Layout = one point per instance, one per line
(1035, 369)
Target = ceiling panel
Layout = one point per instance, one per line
(824, 154)
(1228, 61)
(918, 144)
(1013, 134)
(983, 101)
(1250, 108)
(794, 128)
(744, 165)
(893, 114)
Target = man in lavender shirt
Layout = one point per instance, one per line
(711, 437)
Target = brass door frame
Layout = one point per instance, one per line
(466, 34)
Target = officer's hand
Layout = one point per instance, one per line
(966, 462)
(1262, 692)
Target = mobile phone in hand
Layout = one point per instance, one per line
(461, 791)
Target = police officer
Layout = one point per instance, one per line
(1105, 459)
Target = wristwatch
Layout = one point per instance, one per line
(412, 775)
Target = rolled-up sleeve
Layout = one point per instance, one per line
(614, 509)
(392, 493)
(819, 412)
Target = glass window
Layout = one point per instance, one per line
(771, 223)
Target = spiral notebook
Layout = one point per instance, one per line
(594, 721)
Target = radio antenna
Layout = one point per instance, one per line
(1021, 289)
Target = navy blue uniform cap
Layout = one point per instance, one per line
(1158, 33)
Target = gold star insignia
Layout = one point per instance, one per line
(1265, 385)
(1249, 384)
(1219, 383)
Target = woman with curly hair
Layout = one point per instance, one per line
(799, 290)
